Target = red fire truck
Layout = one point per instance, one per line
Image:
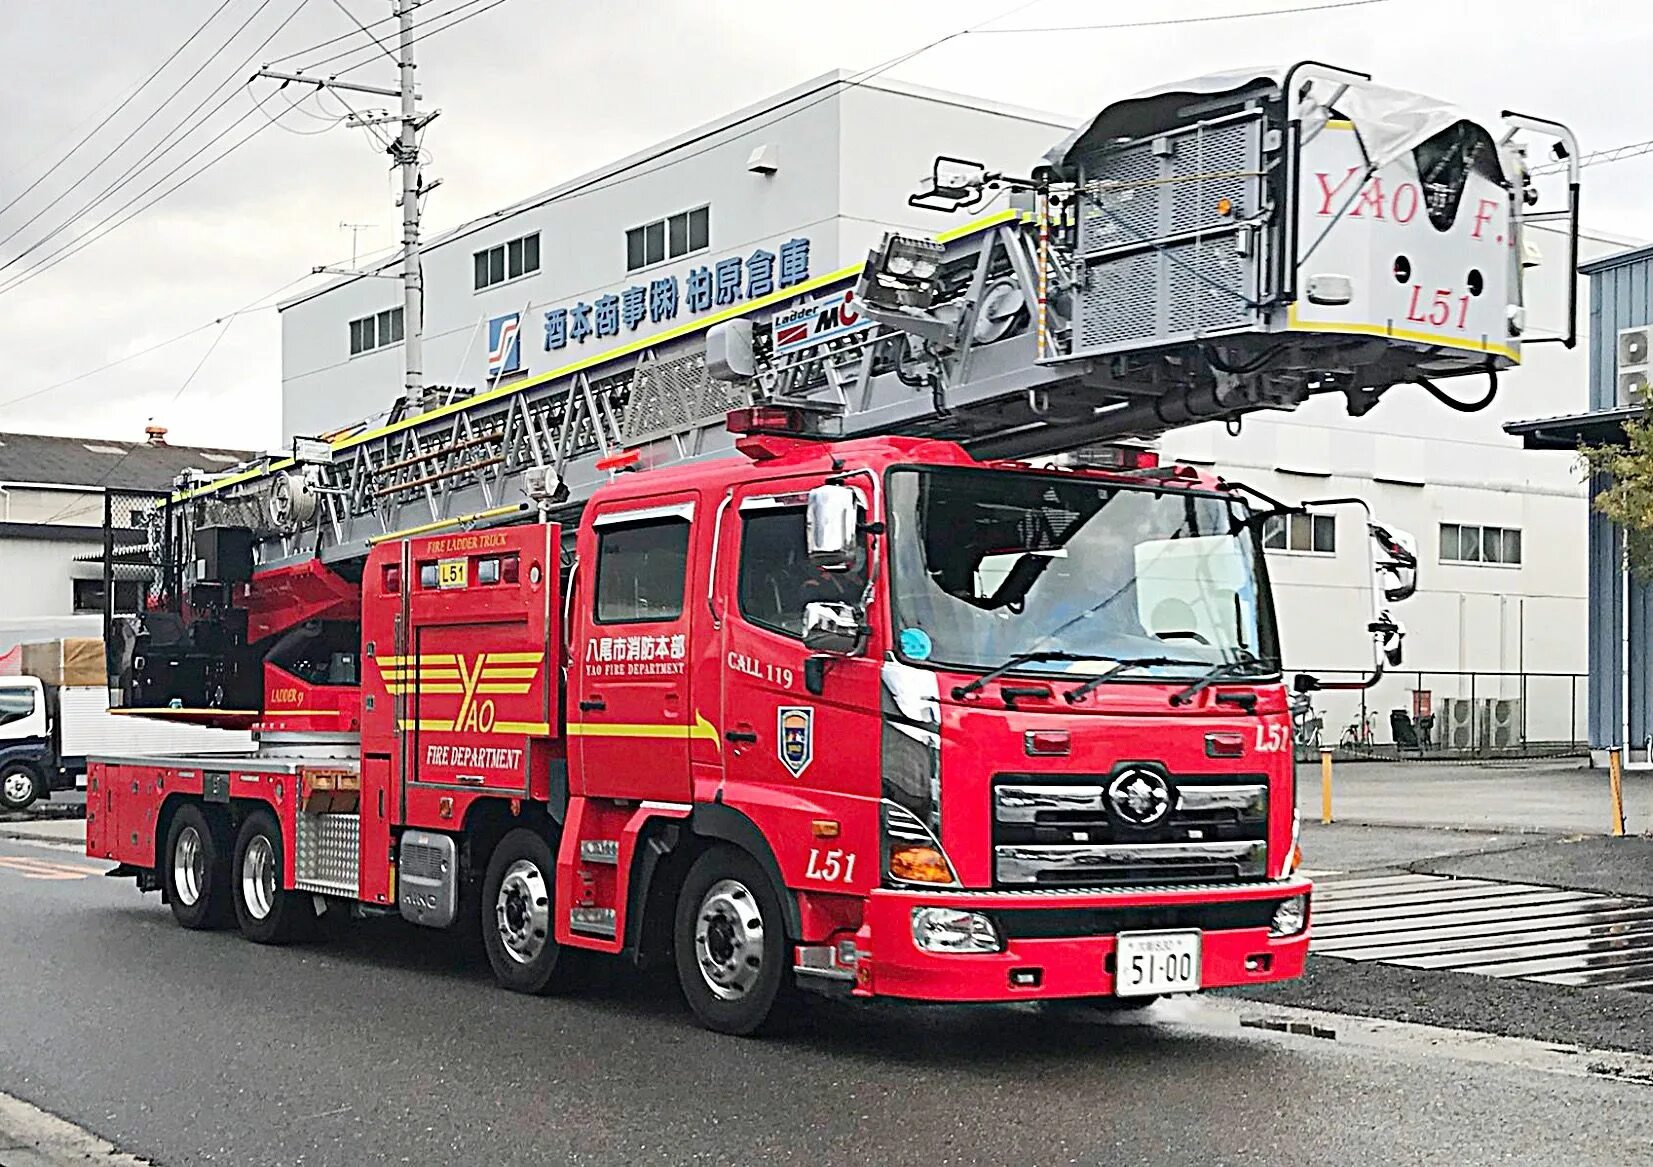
(872, 703)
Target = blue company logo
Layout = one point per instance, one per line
(505, 345)
(795, 743)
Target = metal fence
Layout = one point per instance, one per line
(1445, 715)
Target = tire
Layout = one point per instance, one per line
(20, 785)
(730, 945)
(266, 912)
(518, 898)
(194, 871)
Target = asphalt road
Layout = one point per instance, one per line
(387, 1045)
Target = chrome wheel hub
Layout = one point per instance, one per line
(258, 878)
(189, 869)
(729, 939)
(523, 911)
(18, 786)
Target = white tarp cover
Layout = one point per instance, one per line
(1390, 121)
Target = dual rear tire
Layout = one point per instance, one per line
(208, 882)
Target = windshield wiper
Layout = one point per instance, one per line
(1218, 671)
(1074, 695)
(960, 692)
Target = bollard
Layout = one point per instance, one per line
(1615, 783)
(1325, 786)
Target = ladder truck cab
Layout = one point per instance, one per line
(789, 653)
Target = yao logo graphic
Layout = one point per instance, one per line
(505, 345)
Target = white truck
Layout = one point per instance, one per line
(55, 712)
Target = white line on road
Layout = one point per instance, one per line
(29, 1137)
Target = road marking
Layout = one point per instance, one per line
(46, 869)
(1512, 930)
(29, 1137)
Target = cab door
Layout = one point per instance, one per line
(781, 737)
(630, 712)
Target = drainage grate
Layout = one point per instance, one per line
(1517, 930)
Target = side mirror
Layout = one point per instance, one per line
(1397, 567)
(832, 521)
(1391, 637)
(832, 628)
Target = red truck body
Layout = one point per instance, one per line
(641, 696)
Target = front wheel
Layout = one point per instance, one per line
(19, 786)
(267, 913)
(730, 945)
(517, 901)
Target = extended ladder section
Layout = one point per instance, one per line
(1195, 253)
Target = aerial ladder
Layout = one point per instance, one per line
(1199, 252)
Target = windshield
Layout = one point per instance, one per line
(987, 565)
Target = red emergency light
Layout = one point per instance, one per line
(766, 419)
(622, 460)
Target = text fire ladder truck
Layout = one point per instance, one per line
(768, 649)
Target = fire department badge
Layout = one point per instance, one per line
(795, 737)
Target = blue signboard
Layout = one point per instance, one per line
(719, 285)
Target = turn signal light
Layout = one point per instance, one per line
(1224, 745)
(1046, 742)
(916, 863)
(510, 568)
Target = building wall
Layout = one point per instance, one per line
(847, 159)
(21, 503)
(38, 575)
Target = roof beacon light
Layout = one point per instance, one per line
(620, 460)
(766, 419)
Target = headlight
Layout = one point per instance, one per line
(950, 930)
(1290, 918)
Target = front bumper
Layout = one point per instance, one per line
(1069, 938)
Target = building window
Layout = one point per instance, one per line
(1313, 534)
(1461, 544)
(507, 261)
(640, 571)
(376, 331)
(129, 595)
(682, 234)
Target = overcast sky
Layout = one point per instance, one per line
(535, 91)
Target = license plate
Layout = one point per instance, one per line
(452, 573)
(1149, 963)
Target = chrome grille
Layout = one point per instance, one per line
(1063, 833)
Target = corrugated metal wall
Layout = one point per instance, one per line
(1621, 297)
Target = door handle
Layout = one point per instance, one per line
(593, 705)
(740, 735)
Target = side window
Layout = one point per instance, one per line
(15, 704)
(776, 577)
(640, 571)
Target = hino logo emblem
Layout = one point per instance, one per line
(1140, 797)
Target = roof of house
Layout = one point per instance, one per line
(96, 462)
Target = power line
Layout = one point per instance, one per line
(1178, 20)
(128, 138)
(257, 305)
(122, 104)
(103, 229)
(1599, 157)
(425, 30)
(339, 4)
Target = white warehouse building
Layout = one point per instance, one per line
(806, 182)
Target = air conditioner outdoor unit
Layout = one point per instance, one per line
(1456, 728)
(1632, 366)
(1503, 723)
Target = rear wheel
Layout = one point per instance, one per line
(517, 930)
(19, 786)
(267, 913)
(730, 945)
(194, 871)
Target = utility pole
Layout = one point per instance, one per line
(404, 152)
